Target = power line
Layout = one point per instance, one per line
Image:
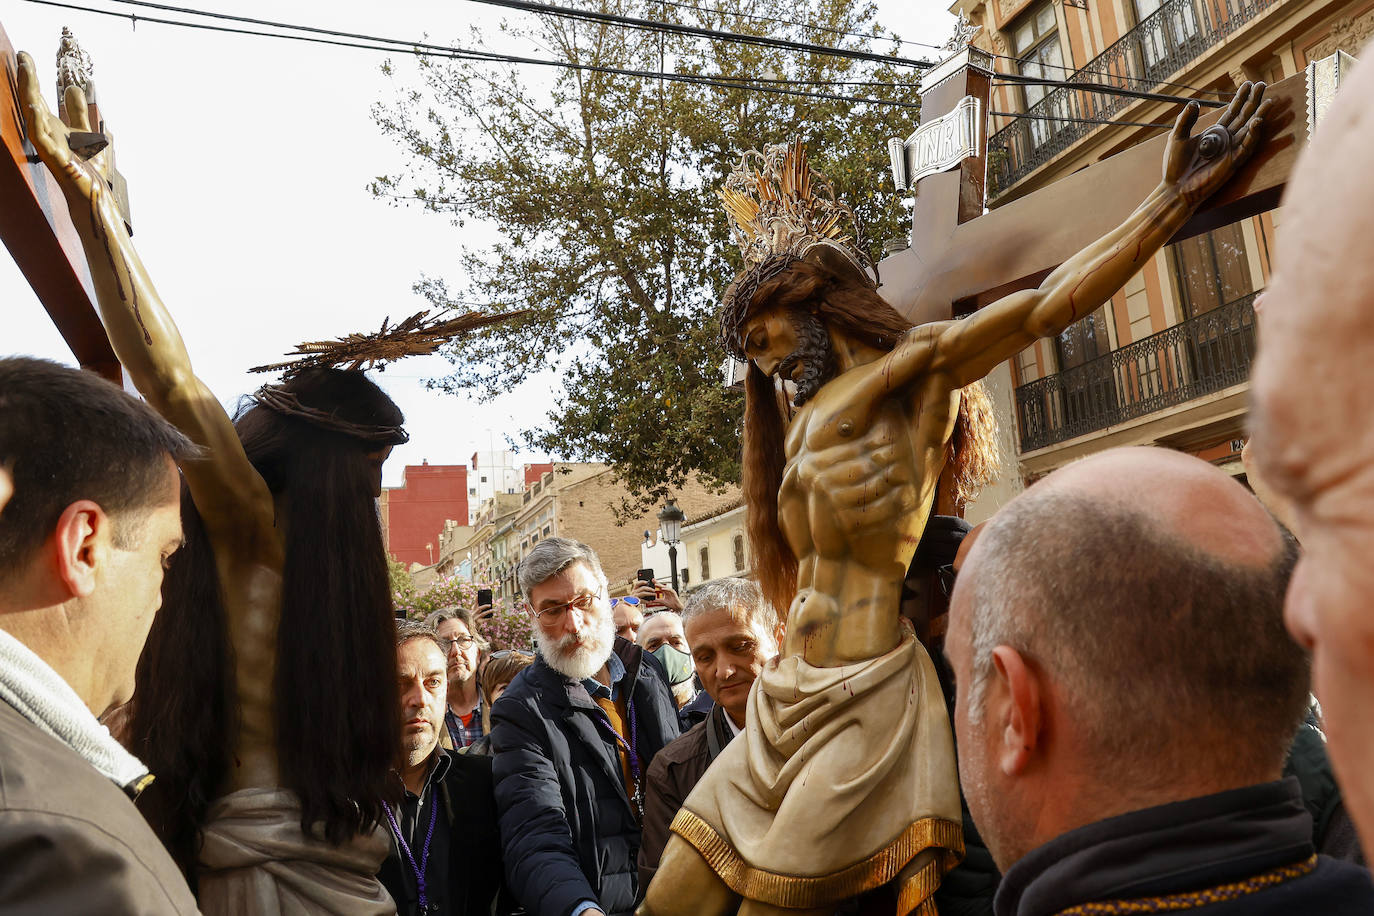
(423, 49)
(1004, 79)
(1110, 76)
(652, 25)
(1022, 114)
(804, 25)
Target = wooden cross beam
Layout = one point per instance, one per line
(959, 260)
(37, 230)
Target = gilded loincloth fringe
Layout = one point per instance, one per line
(843, 776)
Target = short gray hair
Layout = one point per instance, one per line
(550, 557)
(462, 615)
(406, 630)
(741, 597)
(1093, 589)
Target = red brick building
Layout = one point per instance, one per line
(414, 513)
(535, 472)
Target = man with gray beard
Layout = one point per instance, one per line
(573, 736)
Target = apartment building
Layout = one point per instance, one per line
(1167, 360)
(566, 499)
(714, 545)
(415, 514)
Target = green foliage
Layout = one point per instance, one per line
(402, 586)
(601, 189)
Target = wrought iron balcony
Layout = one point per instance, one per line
(1161, 44)
(1210, 352)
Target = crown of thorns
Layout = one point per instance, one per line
(421, 334)
(780, 210)
(277, 398)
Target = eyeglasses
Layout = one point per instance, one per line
(946, 574)
(508, 653)
(631, 600)
(551, 615)
(462, 642)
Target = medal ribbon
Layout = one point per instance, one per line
(417, 870)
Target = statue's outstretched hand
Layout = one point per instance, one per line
(86, 178)
(1197, 166)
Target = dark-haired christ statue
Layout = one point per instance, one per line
(844, 781)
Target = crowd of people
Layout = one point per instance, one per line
(1142, 667)
(1132, 717)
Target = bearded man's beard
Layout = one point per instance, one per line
(579, 656)
(813, 351)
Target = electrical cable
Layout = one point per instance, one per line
(1111, 76)
(803, 25)
(650, 25)
(1022, 115)
(395, 46)
(1006, 79)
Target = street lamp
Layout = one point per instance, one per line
(670, 527)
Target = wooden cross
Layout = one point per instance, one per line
(37, 229)
(961, 259)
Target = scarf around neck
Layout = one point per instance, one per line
(39, 694)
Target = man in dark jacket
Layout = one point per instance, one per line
(733, 632)
(573, 736)
(1127, 695)
(445, 851)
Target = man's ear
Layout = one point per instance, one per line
(1020, 738)
(80, 529)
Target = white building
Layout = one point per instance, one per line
(491, 473)
(714, 546)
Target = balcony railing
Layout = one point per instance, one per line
(1210, 352)
(1161, 44)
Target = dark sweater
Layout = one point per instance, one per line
(1188, 847)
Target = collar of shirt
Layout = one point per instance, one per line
(734, 729)
(412, 805)
(616, 668)
(437, 769)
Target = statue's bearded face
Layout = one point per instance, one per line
(793, 345)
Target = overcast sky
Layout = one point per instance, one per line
(247, 161)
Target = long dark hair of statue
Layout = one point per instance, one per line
(858, 310)
(335, 687)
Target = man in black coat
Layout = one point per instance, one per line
(573, 737)
(1127, 695)
(445, 850)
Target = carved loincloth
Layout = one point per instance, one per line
(257, 860)
(843, 776)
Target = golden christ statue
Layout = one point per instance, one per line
(845, 780)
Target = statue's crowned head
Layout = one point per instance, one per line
(806, 280)
(801, 259)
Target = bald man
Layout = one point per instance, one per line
(1313, 423)
(1127, 695)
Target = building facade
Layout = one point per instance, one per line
(1167, 360)
(490, 473)
(577, 500)
(714, 545)
(414, 514)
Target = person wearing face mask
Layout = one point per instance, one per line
(662, 637)
(732, 631)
